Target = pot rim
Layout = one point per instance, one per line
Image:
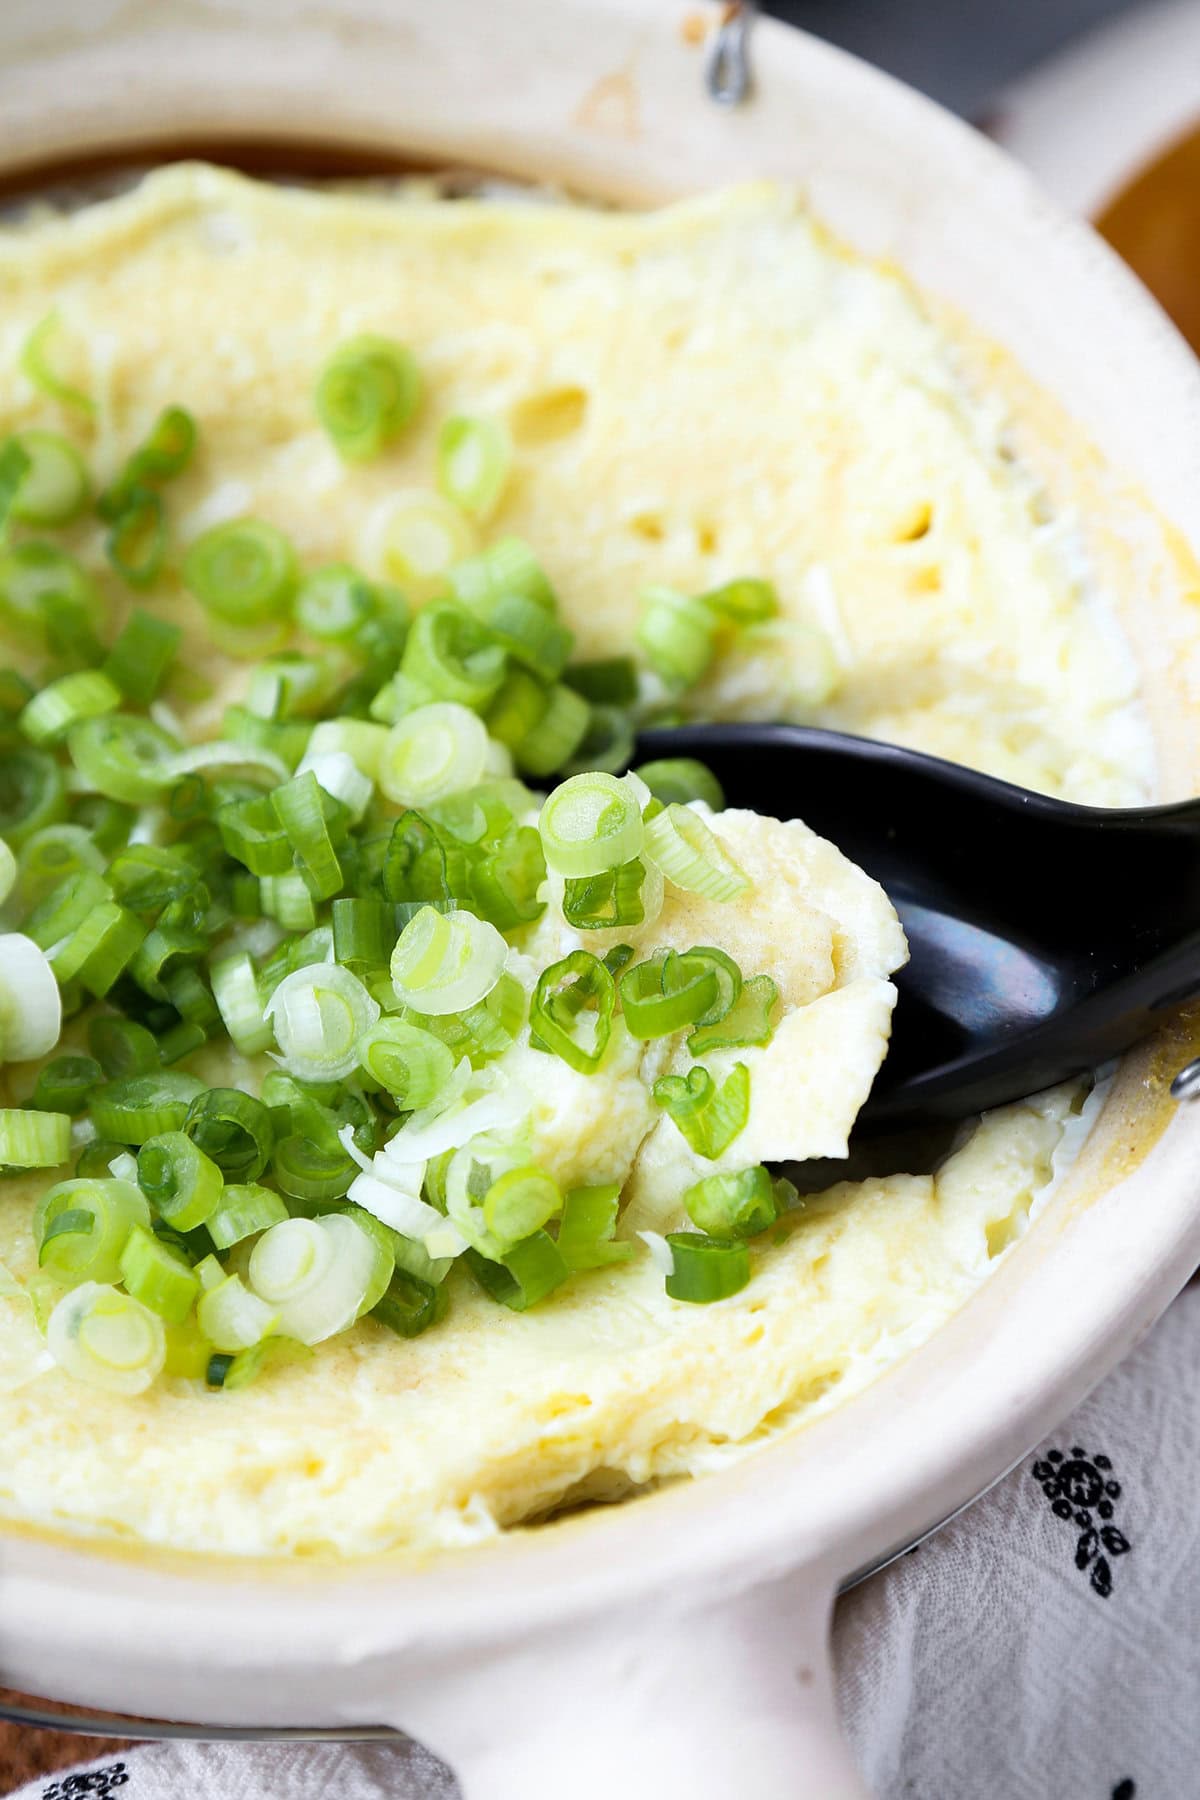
(934, 1429)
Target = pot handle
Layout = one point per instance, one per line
(714, 1701)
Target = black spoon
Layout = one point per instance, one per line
(1045, 937)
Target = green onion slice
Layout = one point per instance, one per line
(589, 824)
(748, 1021)
(617, 897)
(32, 793)
(51, 713)
(136, 544)
(431, 752)
(708, 1116)
(556, 737)
(141, 656)
(746, 601)
(35, 364)
(129, 759)
(608, 681)
(585, 1231)
(706, 1268)
(413, 1065)
(681, 779)
(677, 636)
(158, 1276)
(739, 1204)
(410, 1305)
(367, 394)
(444, 962)
(64, 1084)
(180, 1181)
(95, 1219)
(315, 1273)
(319, 1014)
(30, 1002)
(53, 489)
(244, 1209)
(106, 1338)
(136, 1108)
(334, 603)
(691, 857)
(413, 538)
(232, 1318)
(667, 993)
(572, 1010)
(233, 1129)
(474, 459)
(525, 1276)
(32, 1139)
(506, 567)
(449, 655)
(244, 571)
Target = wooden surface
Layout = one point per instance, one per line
(25, 1753)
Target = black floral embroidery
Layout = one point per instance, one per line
(99, 1782)
(1080, 1488)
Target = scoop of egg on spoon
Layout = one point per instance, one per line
(1045, 937)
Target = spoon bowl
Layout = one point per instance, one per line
(1045, 937)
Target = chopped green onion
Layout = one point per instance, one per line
(585, 1232)
(572, 1009)
(253, 833)
(474, 458)
(85, 695)
(148, 877)
(164, 454)
(431, 752)
(557, 735)
(158, 1276)
(676, 635)
(8, 871)
(141, 656)
(236, 992)
(30, 1002)
(319, 1014)
(106, 1338)
(238, 1371)
(121, 1047)
(520, 702)
(681, 779)
(504, 886)
(413, 1065)
(410, 1305)
(286, 899)
(608, 742)
(666, 994)
(364, 932)
(43, 592)
(234, 1130)
(691, 857)
(450, 655)
(739, 1204)
(413, 538)
(32, 1139)
(93, 1219)
(444, 962)
(748, 1020)
(745, 601)
(334, 603)
(589, 824)
(708, 1116)
(310, 1175)
(243, 571)
(182, 1184)
(706, 1268)
(599, 902)
(136, 544)
(66, 907)
(358, 739)
(54, 486)
(532, 636)
(315, 1273)
(609, 681)
(506, 567)
(528, 1272)
(64, 1085)
(32, 794)
(135, 1108)
(14, 466)
(233, 1318)
(243, 1210)
(519, 1202)
(50, 857)
(367, 393)
(127, 758)
(299, 809)
(34, 363)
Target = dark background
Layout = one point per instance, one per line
(960, 51)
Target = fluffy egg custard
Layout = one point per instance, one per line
(713, 400)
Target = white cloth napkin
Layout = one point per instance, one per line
(1045, 1642)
